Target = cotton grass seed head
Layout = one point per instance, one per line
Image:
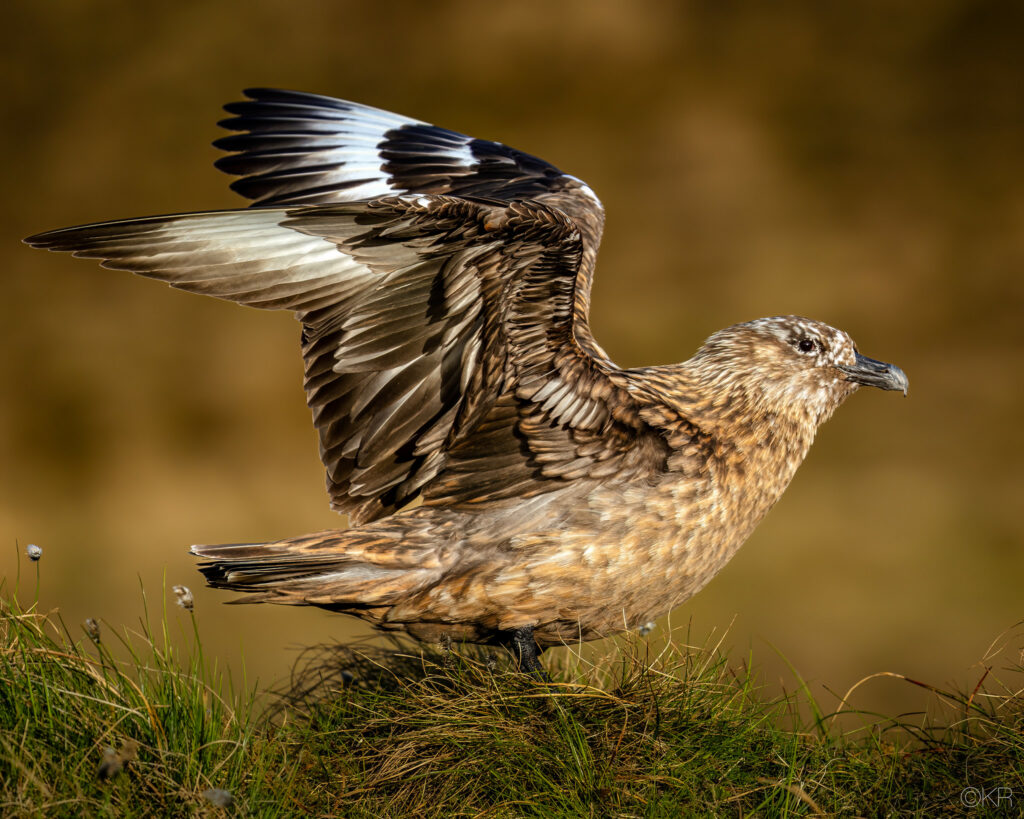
(92, 628)
(110, 765)
(219, 797)
(183, 597)
(34, 552)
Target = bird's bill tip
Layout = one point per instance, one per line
(872, 373)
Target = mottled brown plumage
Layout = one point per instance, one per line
(443, 284)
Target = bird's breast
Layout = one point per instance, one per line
(632, 552)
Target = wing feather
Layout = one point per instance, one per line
(445, 336)
(299, 148)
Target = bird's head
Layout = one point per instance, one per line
(791, 366)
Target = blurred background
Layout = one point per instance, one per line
(858, 163)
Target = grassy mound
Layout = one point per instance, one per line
(122, 724)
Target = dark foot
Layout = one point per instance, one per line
(527, 653)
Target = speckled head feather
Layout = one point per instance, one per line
(442, 284)
(781, 365)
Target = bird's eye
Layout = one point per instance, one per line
(806, 345)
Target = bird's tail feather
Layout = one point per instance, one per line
(340, 569)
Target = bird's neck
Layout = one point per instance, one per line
(728, 442)
(748, 448)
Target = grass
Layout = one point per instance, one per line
(123, 724)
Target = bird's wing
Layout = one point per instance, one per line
(295, 148)
(439, 336)
(304, 149)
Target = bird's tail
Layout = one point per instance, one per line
(345, 570)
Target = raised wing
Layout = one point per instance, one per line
(296, 148)
(440, 337)
(299, 148)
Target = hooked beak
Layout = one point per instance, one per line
(873, 373)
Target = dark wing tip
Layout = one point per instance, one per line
(80, 239)
(256, 97)
(61, 239)
(255, 102)
(39, 240)
(262, 92)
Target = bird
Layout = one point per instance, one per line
(505, 482)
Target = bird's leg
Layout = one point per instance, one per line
(527, 652)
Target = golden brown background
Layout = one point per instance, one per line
(861, 163)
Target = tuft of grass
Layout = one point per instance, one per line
(119, 723)
(114, 722)
(397, 733)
